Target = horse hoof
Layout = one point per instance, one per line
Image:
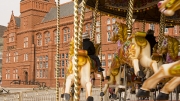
(121, 90)
(133, 92)
(162, 96)
(62, 95)
(90, 98)
(102, 94)
(142, 93)
(66, 97)
(140, 74)
(107, 77)
(114, 96)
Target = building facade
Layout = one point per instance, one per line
(30, 41)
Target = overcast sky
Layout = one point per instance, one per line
(7, 6)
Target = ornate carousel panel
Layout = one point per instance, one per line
(143, 10)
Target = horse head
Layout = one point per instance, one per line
(119, 33)
(168, 7)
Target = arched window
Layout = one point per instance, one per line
(113, 20)
(55, 34)
(39, 39)
(108, 21)
(66, 34)
(47, 38)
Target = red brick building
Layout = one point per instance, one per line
(30, 41)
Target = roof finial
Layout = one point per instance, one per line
(12, 12)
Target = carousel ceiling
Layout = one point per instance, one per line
(143, 9)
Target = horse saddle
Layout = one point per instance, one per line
(83, 58)
(140, 39)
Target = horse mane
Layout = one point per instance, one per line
(151, 39)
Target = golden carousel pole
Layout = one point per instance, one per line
(129, 23)
(100, 54)
(83, 3)
(76, 77)
(94, 21)
(143, 26)
(57, 50)
(161, 33)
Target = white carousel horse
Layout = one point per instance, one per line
(170, 69)
(168, 7)
(85, 68)
(133, 51)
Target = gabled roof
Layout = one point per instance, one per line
(65, 10)
(2, 29)
(18, 21)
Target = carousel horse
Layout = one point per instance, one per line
(168, 7)
(170, 69)
(131, 51)
(85, 66)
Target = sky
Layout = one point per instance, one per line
(7, 6)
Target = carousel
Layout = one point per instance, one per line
(136, 51)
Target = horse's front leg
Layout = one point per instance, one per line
(168, 88)
(69, 81)
(135, 63)
(106, 86)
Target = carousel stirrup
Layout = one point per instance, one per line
(162, 96)
(142, 93)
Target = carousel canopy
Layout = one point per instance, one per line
(143, 10)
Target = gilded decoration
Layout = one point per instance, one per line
(175, 70)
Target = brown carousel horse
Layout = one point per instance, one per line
(131, 51)
(168, 70)
(85, 65)
(168, 7)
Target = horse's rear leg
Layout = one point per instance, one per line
(88, 91)
(69, 81)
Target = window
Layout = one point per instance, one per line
(98, 29)
(66, 62)
(41, 65)
(98, 38)
(15, 56)
(39, 39)
(11, 37)
(25, 42)
(7, 74)
(46, 58)
(103, 63)
(66, 33)
(108, 28)
(166, 30)
(66, 55)
(0, 55)
(98, 23)
(55, 38)
(88, 29)
(109, 63)
(113, 20)
(62, 55)
(108, 21)
(109, 56)
(108, 36)
(7, 57)
(40, 74)
(37, 73)
(175, 29)
(103, 57)
(152, 27)
(26, 57)
(62, 72)
(47, 38)
(62, 62)
(15, 74)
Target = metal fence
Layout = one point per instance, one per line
(50, 95)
